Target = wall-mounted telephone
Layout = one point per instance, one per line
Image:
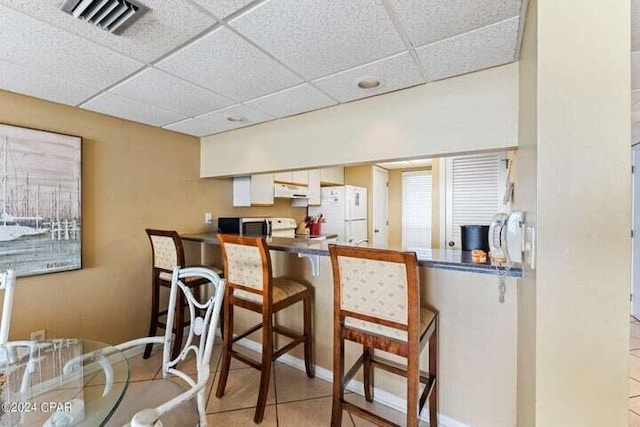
(506, 242)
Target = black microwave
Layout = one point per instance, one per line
(244, 226)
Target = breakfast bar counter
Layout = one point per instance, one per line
(447, 259)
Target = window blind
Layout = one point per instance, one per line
(475, 192)
(416, 209)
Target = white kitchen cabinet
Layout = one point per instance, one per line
(286, 177)
(332, 176)
(256, 190)
(262, 189)
(314, 187)
(300, 177)
(242, 191)
(297, 177)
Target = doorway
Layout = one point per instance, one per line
(380, 206)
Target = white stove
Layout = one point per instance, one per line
(283, 227)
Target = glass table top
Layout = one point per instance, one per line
(63, 382)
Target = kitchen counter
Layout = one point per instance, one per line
(446, 259)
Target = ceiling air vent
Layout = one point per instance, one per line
(109, 15)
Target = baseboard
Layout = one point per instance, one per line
(382, 396)
(134, 351)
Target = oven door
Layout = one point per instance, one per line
(255, 228)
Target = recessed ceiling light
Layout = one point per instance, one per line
(368, 83)
(236, 119)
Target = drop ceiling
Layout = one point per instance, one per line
(190, 65)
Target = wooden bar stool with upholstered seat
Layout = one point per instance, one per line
(377, 304)
(250, 285)
(168, 252)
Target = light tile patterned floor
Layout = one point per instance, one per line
(634, 374)
(294, 400)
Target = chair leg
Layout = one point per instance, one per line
(265, 370)
(368, 374)
(202, 405)
(433, 371)
(226, 351)
(179, 324)
(153, 322)
(308, 342)
(413, 388)
(338, 378)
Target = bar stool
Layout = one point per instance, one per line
(250, 285)
(168, 252)
(377, 304)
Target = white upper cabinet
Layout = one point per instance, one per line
(262, 189)
(332, 176)
(256, 190)
(297, 177)
(242, 191)
(314, 187)
(286, 177)
(300, 177)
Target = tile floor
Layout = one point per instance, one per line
(294, 400)
(634, 374)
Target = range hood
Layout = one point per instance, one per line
(290, 191)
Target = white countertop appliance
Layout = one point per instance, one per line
(344, 211)
(283, 227)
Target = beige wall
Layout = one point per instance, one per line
(133, 177)
(473, 112)
(575, 134)
(525, 200)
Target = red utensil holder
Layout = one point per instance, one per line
(314, 228)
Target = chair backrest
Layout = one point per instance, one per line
(376, 290)
(7, 282)
(166, 246)
(203, 316)
(247, 267)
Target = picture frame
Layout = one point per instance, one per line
(40, 201)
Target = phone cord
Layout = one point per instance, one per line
(502, 286)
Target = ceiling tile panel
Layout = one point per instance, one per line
(165, 26)
(193, 127)
(174, 94)
(427, 21)
(487, 47)
(32, 83)
(30, 43)
(229, 65)
(635, 70)
(125, 108)
(219, 123)
(321, 37)
(292, 101)
(396, 72)
(223, 8)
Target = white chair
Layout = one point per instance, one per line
(7, 282)
(179, 409)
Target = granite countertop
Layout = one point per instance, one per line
(447, 259)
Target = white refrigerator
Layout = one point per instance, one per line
(344, 210)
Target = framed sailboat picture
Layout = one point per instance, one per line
(40, 201)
